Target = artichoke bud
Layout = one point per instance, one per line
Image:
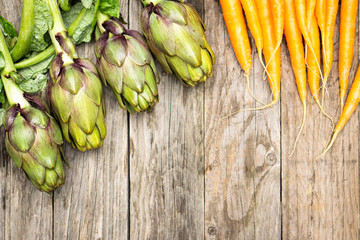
(176, 36)
(34, 141)
(76, 97)
(127, 66)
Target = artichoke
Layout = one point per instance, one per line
(75, 92)
(34, 141)
(126, 64)
(76, 96)
(32, 137)
(176, 36)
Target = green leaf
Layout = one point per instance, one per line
(7, 28)
(34, 78)
(87, 3)
(65, 5)
(34, 85)
(9, 32)
(2, 61)
(2, 115)
(43, 23)
(110, 7)
(84, 19)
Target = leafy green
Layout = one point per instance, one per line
(34, 85)
(34, 77)
(2, 61)
(43, 23)
(9, 32)
(110, 7)
(84, 19)
(2, 115)
(87, 3)
(2, 65)
(64, 5)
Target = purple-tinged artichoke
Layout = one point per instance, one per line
(176, 35)
(76, 97)
(125, 63)
(34, 141)
(75, 92)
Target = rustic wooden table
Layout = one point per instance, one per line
(170, 174)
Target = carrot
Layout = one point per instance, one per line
(303, 9)
(237, 30)
(348, 14)
(331, 13)
(310, 11)
(320, 11)
(349, 108)
(253, 23)
(277, 10)
(296, 49)
(313, 61)
(270, 43)
(255, 29)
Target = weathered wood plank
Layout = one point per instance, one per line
(242, 174)
(167, 160)
(321, 196)
(93, 204)
(25, 212)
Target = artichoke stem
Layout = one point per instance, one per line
(13, 92)
(59, 28)
(147, 2)
(101, 18)
(47, 52)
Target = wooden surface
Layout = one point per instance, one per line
(175, 173)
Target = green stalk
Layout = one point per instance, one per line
(23, 43)
(58, 28)
(36, 59)
(147, 2)
(51, 49)
(101, 18)
(13, 93)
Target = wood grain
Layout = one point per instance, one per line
(93, 204)
(167, 160)
(25, 212)
(242, 174)
(320, 196)
(179, 173)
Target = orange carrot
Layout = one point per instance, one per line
(277, 10)
(270, 44)
(301, 15)
(349, 108)
(253, 23)
(348, 14)
(313, 60)
(331, 13)
(237, 30)
(296, 49)
(310, 11)
(255, 29)
(320, 11)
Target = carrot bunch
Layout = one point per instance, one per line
(301, 21)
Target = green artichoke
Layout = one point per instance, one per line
(75, 92)
(76, 97)
(34, 141)
(176, 36)
(126, 64)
